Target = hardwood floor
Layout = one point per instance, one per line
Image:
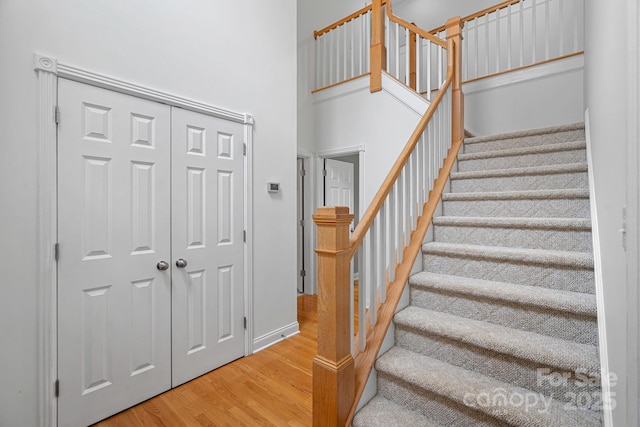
(269, 388)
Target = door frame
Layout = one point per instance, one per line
(48, 71)
(317, 186)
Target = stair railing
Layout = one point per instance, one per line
(414, 56)
(518, 34)
(388, 238)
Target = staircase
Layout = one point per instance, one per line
(501, 328)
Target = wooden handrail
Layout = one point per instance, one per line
(344, 20)
(413, 28)
(483, 12)
(378, 200)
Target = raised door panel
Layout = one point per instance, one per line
(207, 228)
(114, 305)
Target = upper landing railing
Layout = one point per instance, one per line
(518, 34)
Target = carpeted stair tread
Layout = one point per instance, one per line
(525, 133)
(537, 348)
(525, 171)
(570, 193)
(551, 299)
(464, 387)
(578, 224)
(578, 260)
(521, 151)
(381, 412)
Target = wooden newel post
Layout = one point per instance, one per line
(378, 52)
(454, 35)
(333, 366)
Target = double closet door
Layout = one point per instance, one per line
(151, 251)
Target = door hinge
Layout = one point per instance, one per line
(244, 236)
(623, 230)
(56, 388)
(303, 172)
(324, 172)
(245, 323)
(303, 273)
(302, 223)
(244, 149)
(56, 114)
(56, 251)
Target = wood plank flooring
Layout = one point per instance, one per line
(269, 388)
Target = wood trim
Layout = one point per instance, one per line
(375, 334)
(411, 27)
(378, 200)
(483, 12)
(339, 83)
(344, 20)
(546, 61)
(47, 316)
(378, 51)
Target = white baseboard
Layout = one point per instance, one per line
(275, 337)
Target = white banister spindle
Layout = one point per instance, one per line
(561, 28)
(477, 51)
(407, 206)
(382, 265)
(521, 16)
(486, 43)
(419, 63)
(441, 65)
(363, 280)
(400, 217)
(575, 25)
(396, 48)
(429, 46)
(509, 38)
(534, 32)
(546, 30)
(407, 50)
(465, 53)
(373, 273)
(498, 41)
(390, 258)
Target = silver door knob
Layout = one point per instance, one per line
(162, 266)
(181, 263)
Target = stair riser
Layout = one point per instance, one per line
(538, 377)
(561, 240)
(532, 208)
(528, 141)
(440, 409)
(523, 182)
(522, 161)
(554, 277)
(578, 328)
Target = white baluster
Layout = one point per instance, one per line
(373, 274)
(561, 28)
(521, 32)
(362, 294)
(477, 51)
(534, 34)
(407, 206)
(509, 51)
(486, 44)
(387, 40)
(546, 29)
(441, 64)
(382, 265)
(465, 53)
(391, 238)
(397, 51)
(418, 62)
(429, 45)
(407, 49)
(400, 217)
(577, 11)
(498, 41)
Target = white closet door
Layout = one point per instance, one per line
(114, 330)
(207, 242)
(339, 185)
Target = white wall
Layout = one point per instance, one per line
(606, 94)
(195, 49)
(541, 96)
(349, 115)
